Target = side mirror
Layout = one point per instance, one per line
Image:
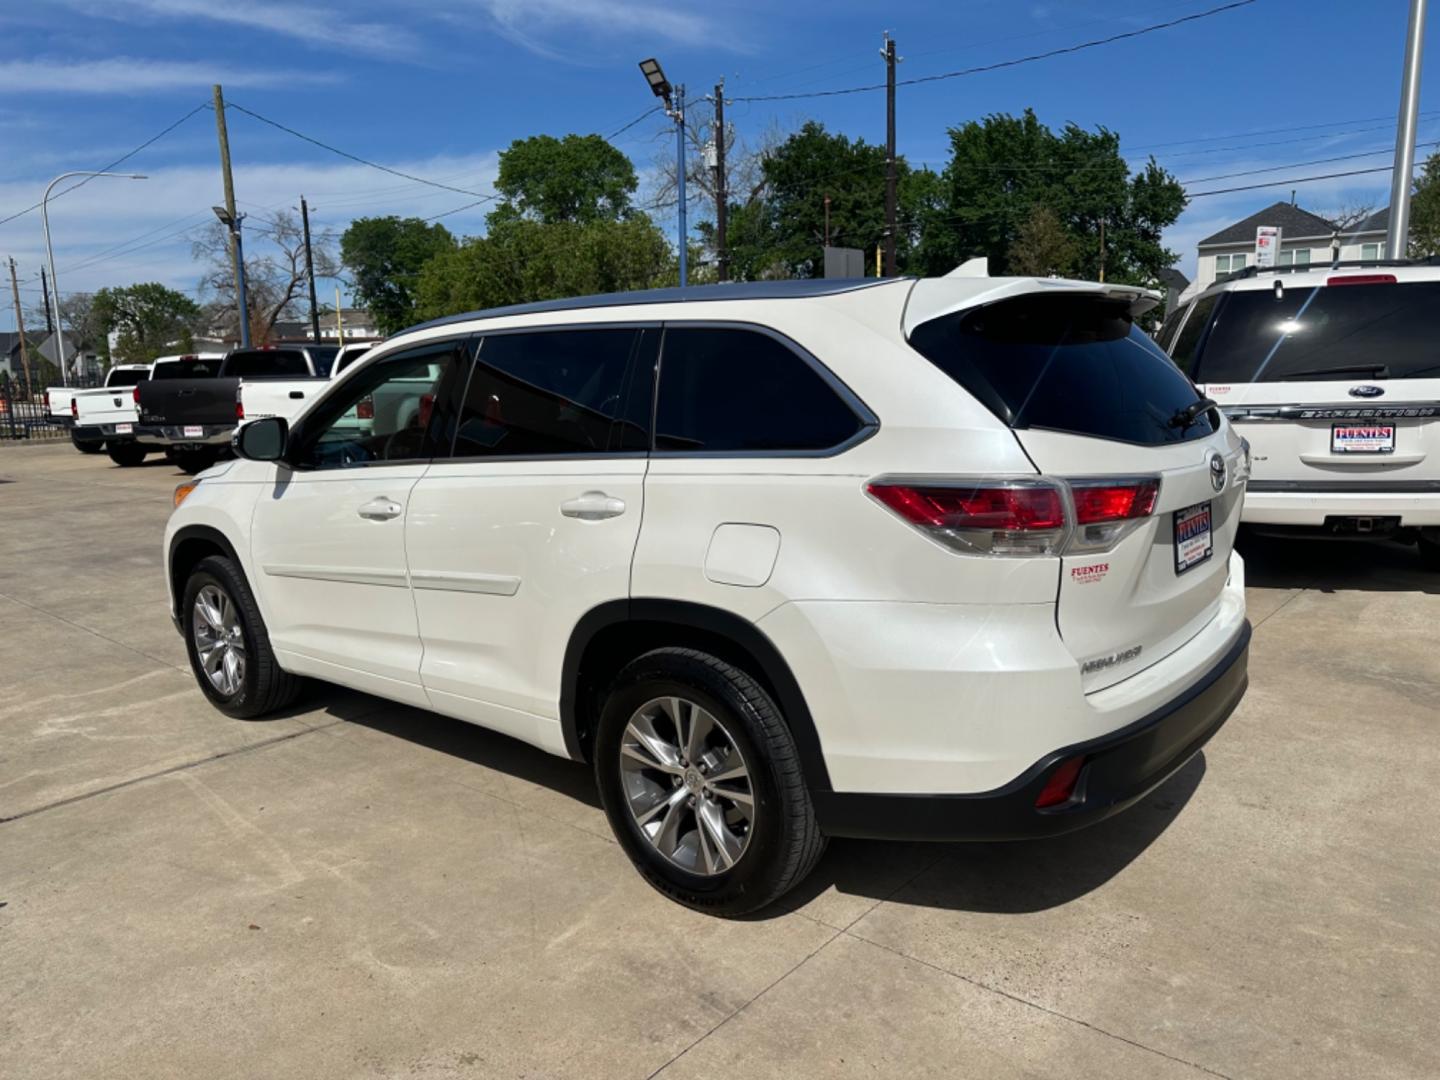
(261, 440)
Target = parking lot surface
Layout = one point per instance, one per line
(359, 889)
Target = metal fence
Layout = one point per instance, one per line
(25, 416)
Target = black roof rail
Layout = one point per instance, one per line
(1256, 271)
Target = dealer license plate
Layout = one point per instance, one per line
(1194, 542)
(193, 431)
(1362, 439)
(124, 429)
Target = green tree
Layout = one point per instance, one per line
(1042, 247)
(384, 256)
(780, 230)
(521, 260)
(1425, 211)
(1003, 167)
(148, 320)
(579, 178)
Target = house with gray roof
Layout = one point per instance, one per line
(1305, 238)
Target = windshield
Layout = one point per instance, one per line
(126, 376)
(1326, 332)
(197, 368)
(1073, 364)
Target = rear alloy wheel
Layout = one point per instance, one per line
(87, 446)
(702, 783)
(228, 645)
(126, 454)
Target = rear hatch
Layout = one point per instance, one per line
(1333, 377)
(1152, 476)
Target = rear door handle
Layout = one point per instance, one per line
(593, 506)
(381, 509)
(296, 395)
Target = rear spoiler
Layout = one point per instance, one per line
(962, 289)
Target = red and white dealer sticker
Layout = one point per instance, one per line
(1084, 575)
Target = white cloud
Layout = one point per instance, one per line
(546, 26)
(130, 75)
(117, 232)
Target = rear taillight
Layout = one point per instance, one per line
(427, 406)
(75, 408)
(47, 400)
(365, 410)
(1361, 279)
(239, 406)
(983, 517)
(136, 395)
(1021, 515)
(1060, 788)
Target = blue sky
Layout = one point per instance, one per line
(436, 88)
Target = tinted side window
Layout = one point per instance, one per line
(729, 390)
(1182, 351)
(546, 392)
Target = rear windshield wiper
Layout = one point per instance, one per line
(1379, 371)
(1183, 418)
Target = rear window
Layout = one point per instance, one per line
(267, 364)
(324, 357)
(206, 368)
(1071, 364)
(1324, 332)
(127, 377)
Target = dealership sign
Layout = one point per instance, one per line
(1267, 245)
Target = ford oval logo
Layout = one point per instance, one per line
(1217, 472)
(1366, 391)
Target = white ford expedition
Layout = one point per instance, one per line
(1333, 375)
(948, 558)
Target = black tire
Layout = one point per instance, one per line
(1430, 549)
(194, 461)
(264, 687)
(126, 454)
(87, 446)
(784, 841)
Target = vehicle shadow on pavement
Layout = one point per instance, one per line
(1326, 565)
(1010, 877)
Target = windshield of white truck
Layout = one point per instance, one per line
(206, 368)
(126, 376)
(1376, 331)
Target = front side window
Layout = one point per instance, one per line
(389, 412)
(1182, 350)
(1329, 332)
(549, 392)
(1065, 363)
(735, 390)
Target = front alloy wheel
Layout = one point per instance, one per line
(219, 640)
(687, 785)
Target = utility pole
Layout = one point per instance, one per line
(890, 62)
(232, 228)
(20, 326)
(827, 221)
(1397, 240)
(45, 292)
(722, 193)
(1102, 251)
(310, 271)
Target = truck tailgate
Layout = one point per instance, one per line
(188, 401)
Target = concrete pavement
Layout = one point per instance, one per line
(358, 889)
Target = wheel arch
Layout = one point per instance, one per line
(188, 546)
(610, 635)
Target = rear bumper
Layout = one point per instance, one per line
(100, 433)
(174, 434)
(1120, 769)
(67, 422)
(1309, 503)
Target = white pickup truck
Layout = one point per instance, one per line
(193, 418)
(62, 405)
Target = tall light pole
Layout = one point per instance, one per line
(674, 99)
(50, 258)
(232, 222)
(1398, 237)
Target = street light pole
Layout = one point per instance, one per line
(679, 114)
(1397, 239)
(50, 257)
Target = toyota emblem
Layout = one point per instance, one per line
(1366, 391)
(1217, 471)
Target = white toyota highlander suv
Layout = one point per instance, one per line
(1332, 373)
(944, 559)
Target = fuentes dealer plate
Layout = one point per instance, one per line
(1194, 542)
(1362, 439)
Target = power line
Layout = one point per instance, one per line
(1292, 180)
(626, 127)
(1032, 58)
(118, 161)
(1273, 131)
(356, 158)
(1297, 165)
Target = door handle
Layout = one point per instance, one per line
(593, 506)
(381, 509)
(296, 395)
